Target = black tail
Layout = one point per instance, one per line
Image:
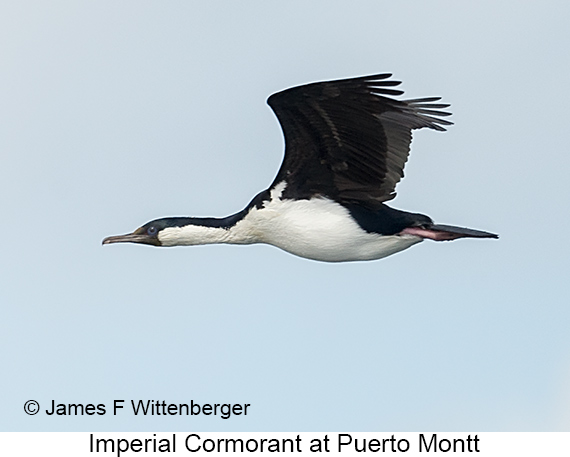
(462, 231)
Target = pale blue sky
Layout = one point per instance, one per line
(116, 113)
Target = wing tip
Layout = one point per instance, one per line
(429, 112)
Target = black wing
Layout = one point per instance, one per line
(345, 140)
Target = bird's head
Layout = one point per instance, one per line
(147, 234)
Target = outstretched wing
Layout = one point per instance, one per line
(346, 140)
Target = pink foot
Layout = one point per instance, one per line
(431, 234)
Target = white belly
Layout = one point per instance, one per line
(319, 229)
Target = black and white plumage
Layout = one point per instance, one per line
(346, 144)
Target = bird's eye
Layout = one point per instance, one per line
(152, 230)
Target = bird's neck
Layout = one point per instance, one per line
(194, 233)
(239, 228)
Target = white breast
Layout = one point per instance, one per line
(318, 229)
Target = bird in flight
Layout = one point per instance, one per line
(346, 144)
